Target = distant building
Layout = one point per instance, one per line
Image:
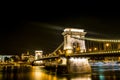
(27, 57)
(2, 57)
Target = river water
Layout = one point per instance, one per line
(39, 73)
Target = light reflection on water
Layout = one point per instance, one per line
(39, 73)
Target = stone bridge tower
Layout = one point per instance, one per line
(71, 43)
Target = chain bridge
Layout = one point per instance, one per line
(76, 50)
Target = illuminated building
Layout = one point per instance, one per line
(27, 57)
(2, 57)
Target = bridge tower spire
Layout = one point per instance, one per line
(72, 44)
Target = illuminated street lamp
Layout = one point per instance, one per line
(95, 49)
(107, 44)
(90, 50)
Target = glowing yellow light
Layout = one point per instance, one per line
(68, 51)
(81, 51)
(89, 49)
(95, 49)
(107, 44)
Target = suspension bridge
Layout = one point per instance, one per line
(76, 49)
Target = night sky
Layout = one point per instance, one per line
(39, 28)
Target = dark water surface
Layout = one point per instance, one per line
(39, 73)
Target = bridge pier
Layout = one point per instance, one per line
(78, 65)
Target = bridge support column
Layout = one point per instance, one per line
(78, 65)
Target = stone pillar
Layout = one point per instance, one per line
(78, 65)
(73, 36)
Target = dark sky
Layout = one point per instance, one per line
(40, 27)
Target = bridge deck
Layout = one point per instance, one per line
(92, 54)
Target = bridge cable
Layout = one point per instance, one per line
(58, 47)
(99, 40)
